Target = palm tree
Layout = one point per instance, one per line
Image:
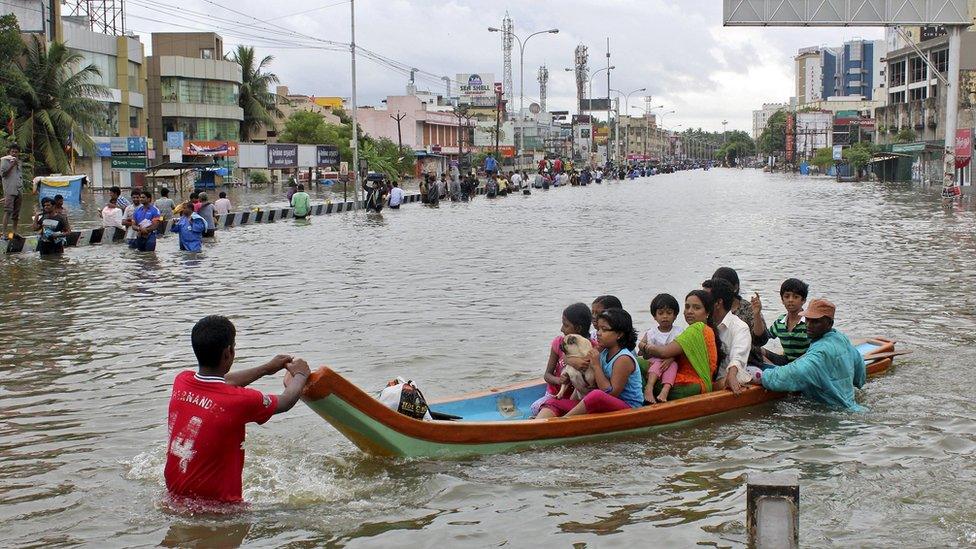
(256, 99)
(56, 103)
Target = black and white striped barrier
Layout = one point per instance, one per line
(112, 235)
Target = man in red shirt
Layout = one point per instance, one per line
(209, 408)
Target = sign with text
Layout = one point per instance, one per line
(210, 148)
(326, 155)
(476, 85)
(964, 147)
(128, 145)
(838, 152)
(174, 140)
(282, 156)
(129, 163)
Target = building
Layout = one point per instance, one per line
(289, 103)
(761, 116)
(121, 62)
(432, 131)
(814, 130)
(855, 68)
(641, 138)
(841, 105)
(912, 122)
(193, 95)
(809, 75)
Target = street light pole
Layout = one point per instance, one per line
(590, 106)
(355, 123)
(520, 144)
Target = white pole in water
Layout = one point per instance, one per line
(952, 109)
(355, 124)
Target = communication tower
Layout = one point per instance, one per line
(543, 84)
(507, 43)
(103, 16)
(582, 74)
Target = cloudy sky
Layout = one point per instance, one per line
(677, 49)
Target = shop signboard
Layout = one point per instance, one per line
(282, 156)
(129, 163)
(326, 155)
(174, 140)
(210, 148)
(476, 85)
(964, 147)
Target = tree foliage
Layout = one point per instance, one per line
(772, 140)
(56, 104)
(905, 135)
(256, 97)
(858, 155)
(823, 158)
(307, 128)
(738, 144)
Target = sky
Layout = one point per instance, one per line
(677, 49)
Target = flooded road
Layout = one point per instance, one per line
(468, 296)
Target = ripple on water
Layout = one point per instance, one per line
(469, 296)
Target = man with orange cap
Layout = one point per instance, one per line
(830, 369)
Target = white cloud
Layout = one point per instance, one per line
(677, 49)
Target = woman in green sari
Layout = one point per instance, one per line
(696, 350)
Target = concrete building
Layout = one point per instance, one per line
(813, 131)
(289, 103)
(193, 91)
(839, 104)
(916, 104)
(855, 68)
(121, 61)
(761, 116)
(809, 75)
(641, 138)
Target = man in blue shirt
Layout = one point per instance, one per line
(491, 165)
(145, 221)
(190, 226)
(830, 369)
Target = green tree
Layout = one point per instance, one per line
(57, 104)
(738, 144)
(306, 128)
(823, 158)
(11, 77)
(259, 178)
(858, 156)
(772, 140)
(256, 98)
(905, 135)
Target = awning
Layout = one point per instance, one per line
(881, 157)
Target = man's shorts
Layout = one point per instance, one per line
(11, 204)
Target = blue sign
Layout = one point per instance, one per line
(135, 144)
(69, 187)
(174, 140)
(103, 150)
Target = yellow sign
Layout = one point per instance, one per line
(328, 102)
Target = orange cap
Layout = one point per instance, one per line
(819, 308)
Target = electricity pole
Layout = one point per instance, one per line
(398, 118)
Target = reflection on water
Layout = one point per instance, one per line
(468, 296)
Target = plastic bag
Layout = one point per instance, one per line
(404, 397)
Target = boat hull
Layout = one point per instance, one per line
(377, 430)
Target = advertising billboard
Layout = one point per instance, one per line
(474, 86)
(210, 148)
(326, 155)
(282, 156)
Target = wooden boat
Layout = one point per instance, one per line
(497, 420)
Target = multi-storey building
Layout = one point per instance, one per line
(761, 116)
(641, 138)
(849, 70)
(193, 91)
(809, 75)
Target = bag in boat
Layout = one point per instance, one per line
(405, 398)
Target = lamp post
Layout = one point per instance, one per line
(626, 113)
(646, 129)
(590, 105)
(521, 138)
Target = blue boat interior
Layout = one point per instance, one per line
(516, 403)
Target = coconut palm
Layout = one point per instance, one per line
(257, 100)
(56, 102)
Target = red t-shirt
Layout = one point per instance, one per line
(204, 457)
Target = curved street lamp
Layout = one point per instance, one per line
(521, 43)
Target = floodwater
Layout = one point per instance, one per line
(468, 296)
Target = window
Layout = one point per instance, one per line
(105, 64)
(135, 115)
(916, 68)
(133, 76)
(206, 92)
(896, 98)
(109, 118)
(941, 60)
(203, 128)
(897, 77)
(207, 53)
(917, 94)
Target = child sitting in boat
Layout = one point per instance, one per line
(790, 328)
(664, 309)
(576, 320)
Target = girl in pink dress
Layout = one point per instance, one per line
(576, 320)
